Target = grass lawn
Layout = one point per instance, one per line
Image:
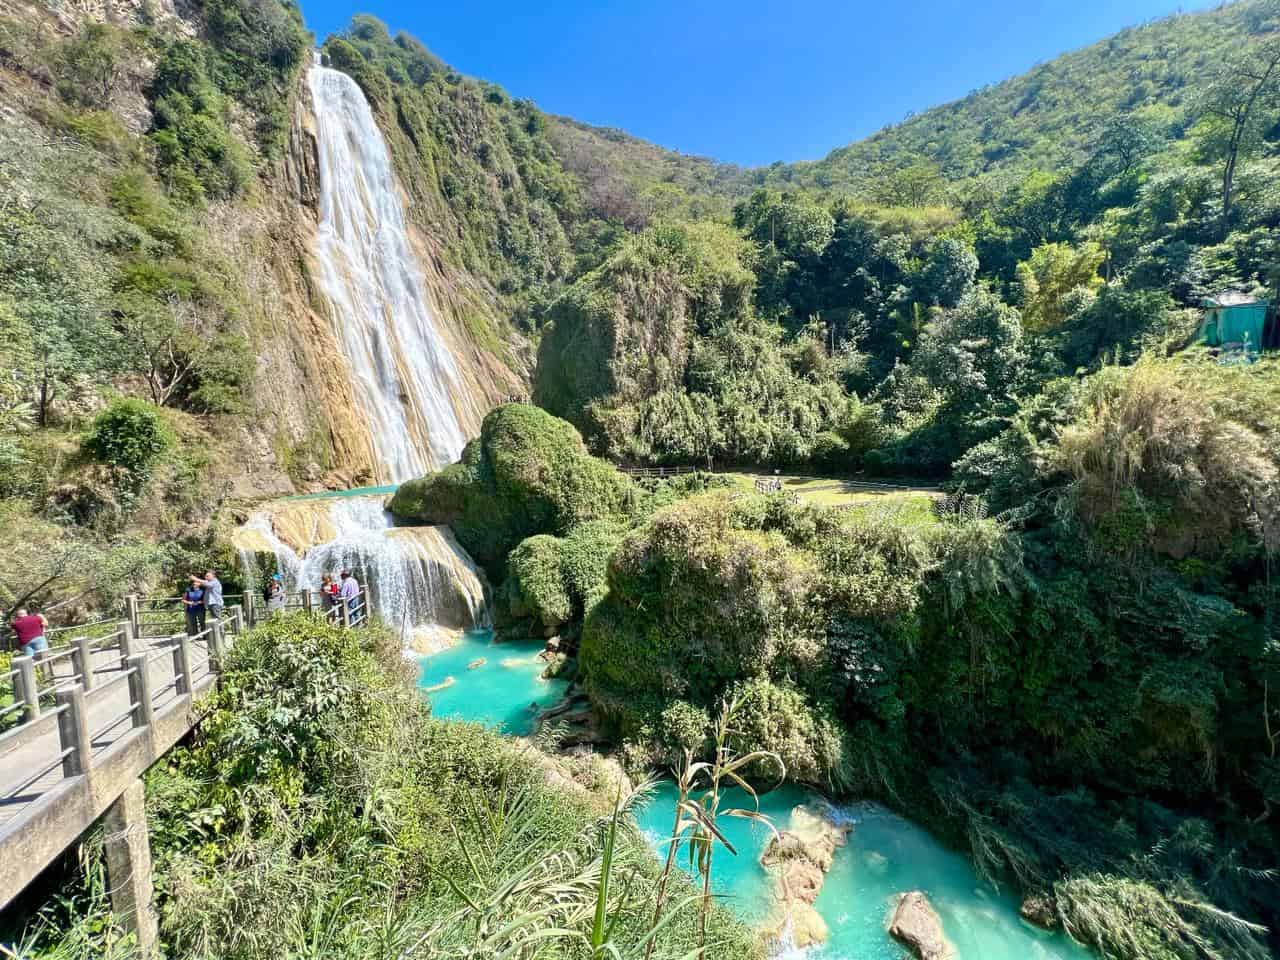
(913, 502)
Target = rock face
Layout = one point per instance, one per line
(915, 924)
(1040, 910)
(799, 858)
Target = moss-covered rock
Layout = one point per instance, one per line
(528, 473)
(695, 603)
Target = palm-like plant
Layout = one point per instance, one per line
(696, 815)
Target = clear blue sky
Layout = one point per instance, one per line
(744, 80)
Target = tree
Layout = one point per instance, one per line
(948, 273)
(972, 352)
(1232, 114)
(1054, 271)
(918, 184)
(164, 341)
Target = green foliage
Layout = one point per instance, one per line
(318, 775)
(1055, 278)
(197, 156)
(527, 473)
(781, 719)
(258, 47)
(130, 436)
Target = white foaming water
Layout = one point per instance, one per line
(420, 578)
(404, 374)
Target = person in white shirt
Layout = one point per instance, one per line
(350, 590)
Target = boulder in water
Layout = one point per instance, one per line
(477, 663)
(799, 858)
(1039, 909)
(915, 924)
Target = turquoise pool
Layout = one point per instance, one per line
(498, 684)
(886, 855)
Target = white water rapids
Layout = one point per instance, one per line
(422, 581)
(404, 374)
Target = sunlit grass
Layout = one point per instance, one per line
(836, 492)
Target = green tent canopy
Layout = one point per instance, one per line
(1233, 320)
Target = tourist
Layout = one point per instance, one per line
(29, 629)
(328, 593)
(350, 591)
(212, 592)
(275, 595)
(193, 600)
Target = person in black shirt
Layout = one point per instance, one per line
(193, 600)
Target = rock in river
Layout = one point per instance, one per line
(915, 924)
(799, 858)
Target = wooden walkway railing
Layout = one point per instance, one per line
(89, 717)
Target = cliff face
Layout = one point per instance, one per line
(292, 420)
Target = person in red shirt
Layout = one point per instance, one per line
(30, 628)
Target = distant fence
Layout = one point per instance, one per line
(643, 472)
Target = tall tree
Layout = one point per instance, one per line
(1234, 114)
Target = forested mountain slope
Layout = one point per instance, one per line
(1050, 116)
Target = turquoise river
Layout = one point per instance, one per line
(499, 684)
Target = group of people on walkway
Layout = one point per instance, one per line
(334, 593)
(203, 596)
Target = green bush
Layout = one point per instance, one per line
(779, 717)
(536, 581)
(130, 436)
(528, 473)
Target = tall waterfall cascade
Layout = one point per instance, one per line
(407, 387)
(423, 583)
(404, 374)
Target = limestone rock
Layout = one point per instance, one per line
(915, 924)
(1040, 910)
(799, 858)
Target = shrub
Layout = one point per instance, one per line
(131, 437)
(528, 473)
(778, 717)
(684, 726)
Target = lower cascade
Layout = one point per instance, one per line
(423, 583)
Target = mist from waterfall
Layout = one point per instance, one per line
(405, 378)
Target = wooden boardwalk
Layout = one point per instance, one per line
(90, 717)
(28, 753)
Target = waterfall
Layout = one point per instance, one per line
(405, 378)
(422, 581)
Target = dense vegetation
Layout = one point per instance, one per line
(1068, 671)
(1078, 690)
(126, 162)
(322, 812)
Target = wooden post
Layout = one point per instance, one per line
(306, 600)
(126, 642)
(237, 619)
(217, 646)
(73, 730)
(182, 663)
(140, 690)
(346, 613)
(28, 691)
(131, 611)
(84, 654)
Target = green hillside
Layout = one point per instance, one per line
(1051, 116)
